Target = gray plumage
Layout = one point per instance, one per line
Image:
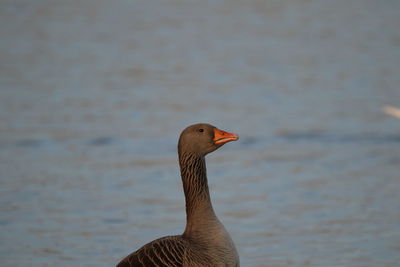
(205, 242)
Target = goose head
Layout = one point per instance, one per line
(202, 138)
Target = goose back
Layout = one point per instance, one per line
(180, 251)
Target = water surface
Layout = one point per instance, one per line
(94, 94)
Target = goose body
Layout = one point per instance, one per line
(205, 241)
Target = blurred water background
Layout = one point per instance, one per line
(93, 96)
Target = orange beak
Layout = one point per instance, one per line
(222, 137)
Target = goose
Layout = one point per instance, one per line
(205, 241)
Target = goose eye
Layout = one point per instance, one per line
(201, 130)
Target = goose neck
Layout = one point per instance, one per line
(199, 210)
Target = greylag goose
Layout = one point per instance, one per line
(205, 242)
